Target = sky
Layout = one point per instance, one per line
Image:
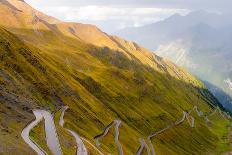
(112, 15)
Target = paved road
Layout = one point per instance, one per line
(51, 134)
(186, 115)
(143, 145)
(117, 125)
(26, 131)
(199, 113)
(192, 122)
(105, 132)
(53, 141)
(50, 131)
(163, 130)
(81, 149)
(92, 145)
(219, 111)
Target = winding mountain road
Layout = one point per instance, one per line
(213, 113)
(81, 149)
(147, 148)
(105, 132)
(51, 134)
(154, 134)
(95, 148)
(117, 124)
(199, 113)
(219, 111)
(54, 145)
(26, 132)
(163, 130)
(143, 145)
(50, 130)
(185, 116)
(191, 121)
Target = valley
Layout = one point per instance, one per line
(198, 41)
(64, 86)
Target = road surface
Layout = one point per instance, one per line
(26, 131)
(81, 149)
(117, 125)
(92, 145)
(51, 134)
(143, 145)
(105, 132)
(50, 131)
(163, 130)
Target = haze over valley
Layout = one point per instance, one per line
(70, 88)
(198, 41)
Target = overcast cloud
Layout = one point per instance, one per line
(111, 15)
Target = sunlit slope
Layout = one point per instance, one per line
(54, 36)
(17, 13)
(99, 85)
(101, 78)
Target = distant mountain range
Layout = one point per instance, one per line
(68, 88)
(199, 41)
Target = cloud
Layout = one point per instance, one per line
(109, 18)
(98, 13)
(219, 5)
(111, 15)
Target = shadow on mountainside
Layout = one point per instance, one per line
(99, 85)
(221, 95)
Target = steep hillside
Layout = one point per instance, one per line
(199, 41)
(97, 91)
(102, 79)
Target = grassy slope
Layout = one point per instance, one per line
(67, 142)
(117, 79)
(37, 134)
(99, 85)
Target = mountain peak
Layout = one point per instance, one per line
(18, 11)
(176, 15)
(201, 14)
(48, 66)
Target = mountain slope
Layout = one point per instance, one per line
(199, 41)
(37, 80)
(100, 82)
(175, 27)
